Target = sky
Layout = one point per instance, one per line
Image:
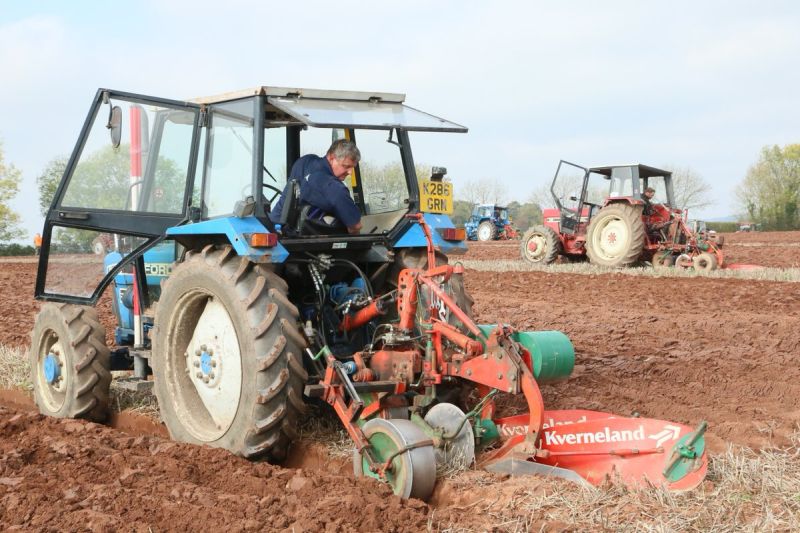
(703, 85)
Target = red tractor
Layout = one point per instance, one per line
(609, 221)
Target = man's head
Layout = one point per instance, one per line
(343, 156)
(649, 193)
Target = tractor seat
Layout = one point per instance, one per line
(297, 219)
(309, 223)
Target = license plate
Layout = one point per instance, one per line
(436, 197)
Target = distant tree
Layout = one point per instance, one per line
(15, 249)
(461, 212)
(525, 215)
(690, 189)
(10, 178)
(568, 184)
(48, 181)
(770, 192)
(482, 191)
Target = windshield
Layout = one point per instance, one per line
(566, 187)
(660, 185)
(382, 187)
(146, 172)
(229, 165)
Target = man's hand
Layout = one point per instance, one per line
(354, 229)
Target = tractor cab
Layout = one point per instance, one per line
(152, 173)
(580, 192)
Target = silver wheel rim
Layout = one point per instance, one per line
(457, 453)
(484, 232)
(205, 378)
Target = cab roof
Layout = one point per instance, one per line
(645, 171)
(342, 109)
(293, 92)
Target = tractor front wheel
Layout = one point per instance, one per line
(487, 231)
(540, 245)
(70, 363)
(228, 356)
(616, 236)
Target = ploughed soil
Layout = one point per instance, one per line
(777, 249)
(681, 349)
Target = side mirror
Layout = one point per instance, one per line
(115, 125)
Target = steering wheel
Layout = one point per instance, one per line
(278, 192)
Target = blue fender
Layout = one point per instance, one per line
(237, 230)
(414, 237)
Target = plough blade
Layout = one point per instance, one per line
(598, 446)
(522, 467)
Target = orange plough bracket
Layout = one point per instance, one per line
(600, 447)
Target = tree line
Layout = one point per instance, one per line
(769, 194)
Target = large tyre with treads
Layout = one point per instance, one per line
(540, 245)
(227, 355)
(616, 236)
(70, 363)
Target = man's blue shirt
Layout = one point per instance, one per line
(320, 188)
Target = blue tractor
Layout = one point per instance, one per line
(234, 319)
(490, 222)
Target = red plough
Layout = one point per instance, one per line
(393, 402)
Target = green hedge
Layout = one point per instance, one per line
(723, 227)
(16, 249)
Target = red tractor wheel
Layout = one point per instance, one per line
(616, 236)
(540, 245)
(705, 262)
(663, 260)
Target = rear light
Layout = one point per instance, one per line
(454, 234)
(263, 240)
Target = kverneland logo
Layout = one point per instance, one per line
(607, 435)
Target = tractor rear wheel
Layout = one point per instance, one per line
(616, 236)
(487, 231)
(540, 245)
(70, 363)
(705, 262)
(228, 355)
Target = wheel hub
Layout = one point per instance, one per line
(536, 247)
(209, 365)
(52, 371)
(614, 237)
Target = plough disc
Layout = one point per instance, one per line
(601, 446)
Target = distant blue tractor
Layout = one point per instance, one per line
(490, 222)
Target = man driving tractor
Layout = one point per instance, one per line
(321, 186)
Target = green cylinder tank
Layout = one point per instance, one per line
(552, 353)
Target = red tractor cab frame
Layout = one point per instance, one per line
(609, 221)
